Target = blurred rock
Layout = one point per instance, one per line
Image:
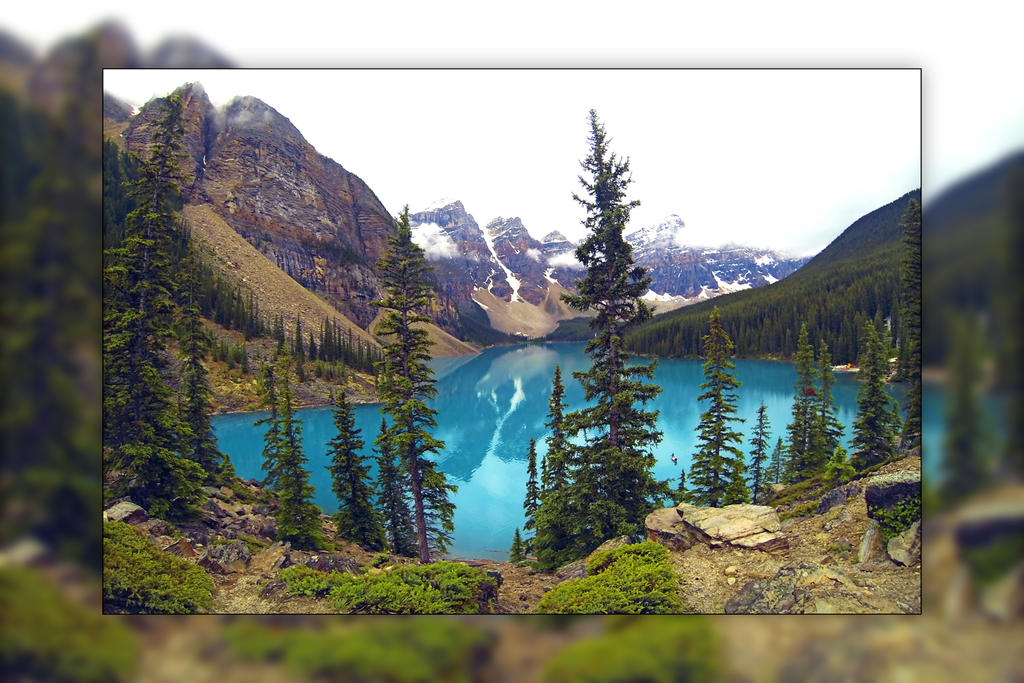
(1004, 599)
(184, 52)
(871, 551)
(182, 548)
(330, 562)
(804, 588)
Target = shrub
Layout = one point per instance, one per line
(391, 651)
(139, 578)
(438, 588)
(656, 651)
(45, 637)
(301, 580)
(799, 511)
(633, 579)
(897, 519)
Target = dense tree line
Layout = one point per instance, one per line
(855, 279)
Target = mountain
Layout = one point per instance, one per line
(308, 216)
(695, 273)
(854, 279)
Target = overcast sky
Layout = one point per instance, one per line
(972, 113)
(780, 158)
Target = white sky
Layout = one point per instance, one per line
(774, 158)
(727, 175)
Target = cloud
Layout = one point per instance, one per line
(566, 259)
(534, 254)
(434, 242)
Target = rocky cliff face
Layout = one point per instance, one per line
(319, 223)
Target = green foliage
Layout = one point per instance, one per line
(965, 468)
(532, 500)
(994, 560)
(874, 430)
(632, 579)
(894, 521)
(910, 320)
(717, 471)
(380, 559)
(390, 651)
(139, 578)
(392, 484)
(802, 510)
(46, 637)
(653, 651)
(301, 580)
(405, 382)
(518, 552)
(805, 449)
(438, 588)
(758, 455)
(607, 453)
(356, 518)
(834, 293)
(838, 470)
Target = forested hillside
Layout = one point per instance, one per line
(856, 278)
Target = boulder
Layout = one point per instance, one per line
(226, 558)
(905, 548)
(256, 526)
(870, 551)
(802, 588)
(838, 496)
(886, 491)
(754, 527)
(127, 512)
(181, 548)
(843, 517)
(331, 562)
(155, 527)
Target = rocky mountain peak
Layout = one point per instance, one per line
(554, 236)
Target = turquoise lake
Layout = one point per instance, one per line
(490, 406)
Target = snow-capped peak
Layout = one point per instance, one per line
(666, 230)
(440, 203)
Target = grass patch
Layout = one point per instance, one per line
(804, 510)
(301, 580)
(46, 637)
(633, 579)
(655, 651)
(390, 651)
(255, 545)
(139, 578)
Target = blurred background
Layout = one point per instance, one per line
(50, 218)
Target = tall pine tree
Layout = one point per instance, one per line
(777, 468)
(552, 543)
(910, 322)
(805, 452)
(145, 440)
(717, 471)
(356, 518)
(392, 485)
(759, 453)
(876, 425)
(405, 382)
(613, 488)
(532, 500)
(965, 468)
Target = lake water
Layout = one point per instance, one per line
(490, 406)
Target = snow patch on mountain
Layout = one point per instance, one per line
(513, 281)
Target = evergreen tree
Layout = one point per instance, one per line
(964, 467)
(532, 500)
(405, 382)
(272, 437)
(298, 519)
(518, 552)
(145, 440)
(759, 454)
(356, 518)
(829, 426)
(777, 468)
(681, 494)
(612, 487)
(910, 320)
(196, 393)
(552, 543)
(838, 470)
(805, 452)
(716, 473)
(394, 506)
(874, 431)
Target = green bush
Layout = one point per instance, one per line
(438, 588)
(45, 637)
(139, 578)
(897, 519)
(301, 580)
(633, 579)
(657, 651)
(799, 511)
(390, 651)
